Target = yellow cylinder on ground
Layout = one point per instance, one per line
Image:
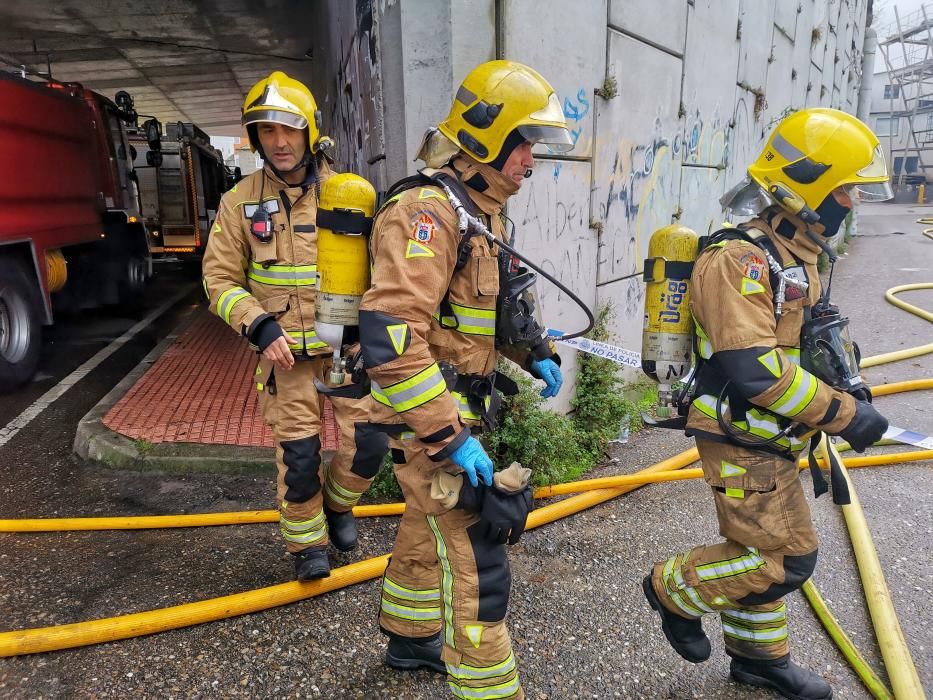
(342, 255)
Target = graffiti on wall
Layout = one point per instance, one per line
(638, 196)
(575, 109)
(551, 221)
(357, 110)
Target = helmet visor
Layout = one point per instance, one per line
(873, 191)
(877, 168)
(556, 138)
(275, 116)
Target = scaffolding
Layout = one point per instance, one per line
(907, 48)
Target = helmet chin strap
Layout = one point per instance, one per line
(305, 161)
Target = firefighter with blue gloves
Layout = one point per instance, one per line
(444, 302)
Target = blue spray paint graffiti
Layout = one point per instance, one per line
(575, 109)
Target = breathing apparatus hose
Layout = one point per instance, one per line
(470, 225)
(590, 320)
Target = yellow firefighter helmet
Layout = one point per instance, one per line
(814, 151)
(280, 99)
(499, 97)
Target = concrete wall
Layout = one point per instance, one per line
(700, 85)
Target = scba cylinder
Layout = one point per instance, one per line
(344, 218)
(667, 337)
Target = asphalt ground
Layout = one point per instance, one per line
(580, 625)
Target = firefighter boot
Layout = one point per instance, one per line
(311, 564)
(686, 636)
(782, 675)
(410, 653)
(341, 527)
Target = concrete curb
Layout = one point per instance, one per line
(95, 441)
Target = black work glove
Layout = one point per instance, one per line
(504, 514)
(866, 427)
(861, 393)
(471, 497)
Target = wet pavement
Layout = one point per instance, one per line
(580, 625)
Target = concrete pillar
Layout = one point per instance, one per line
(427, 47)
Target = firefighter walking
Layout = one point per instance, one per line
(260, 273)
(766, 380)
(429, 327)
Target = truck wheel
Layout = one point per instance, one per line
(20, 331)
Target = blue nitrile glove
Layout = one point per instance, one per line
(472, 458)
(548, 370)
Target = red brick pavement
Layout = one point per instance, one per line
(201, 391)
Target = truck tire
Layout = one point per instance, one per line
(20, 330)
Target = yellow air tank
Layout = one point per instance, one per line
(344, 218)
(667, 338)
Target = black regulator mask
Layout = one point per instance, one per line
(828, 352)
(831, 214)
(518, 316)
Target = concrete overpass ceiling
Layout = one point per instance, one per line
(182, 60)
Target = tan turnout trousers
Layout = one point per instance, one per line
(445, 577)
(292, 407)
(770, 550)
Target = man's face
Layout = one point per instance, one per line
(282, 145)
(843, 197)
(518, 163)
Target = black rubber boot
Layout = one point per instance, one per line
(686, 636)
(341, 527)
(311, 564)
(410, 653)
(782, 675)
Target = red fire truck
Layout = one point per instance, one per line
(181, 178)
(71, 237)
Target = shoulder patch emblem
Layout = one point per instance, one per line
(753, 266)
(416, 250)
(423, 227)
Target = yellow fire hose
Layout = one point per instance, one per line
(910, 308)
(858, 662)
(896, 655)
(902, 673)
(38, 640)
(642, 478)
(927, 220)
(32, 641)
(894, 649)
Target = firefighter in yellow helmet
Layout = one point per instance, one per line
(431, 327)
(260, 273)
(766, 381)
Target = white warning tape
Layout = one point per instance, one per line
(628, 358)
(909, 437)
